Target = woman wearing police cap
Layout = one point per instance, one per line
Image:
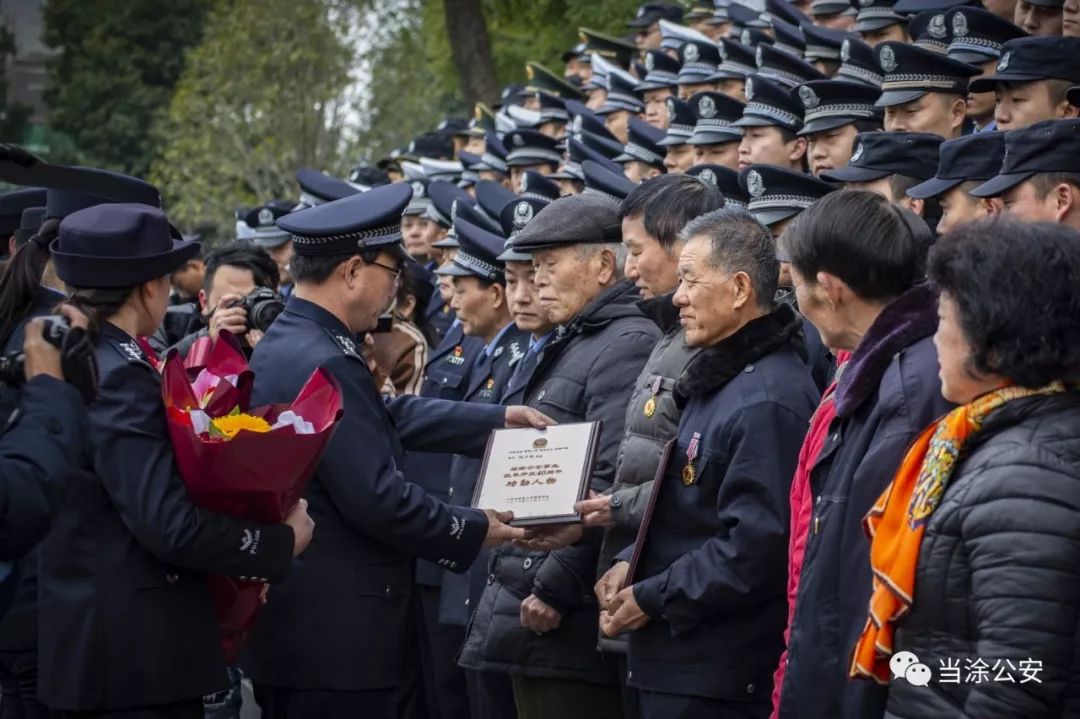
(126, 624)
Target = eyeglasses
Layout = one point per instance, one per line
(395, 271)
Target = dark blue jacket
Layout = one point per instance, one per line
(340, 620)
(888, 393)
(584, 373)
(490, 373)
(712, 572)
(445, 377)
(125, 618)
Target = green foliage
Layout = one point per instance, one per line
(259, 98)
(415, 84)
(113, 74)
(14, 116)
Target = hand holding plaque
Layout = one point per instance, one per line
(539, 475)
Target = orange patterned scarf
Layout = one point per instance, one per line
(897, 521)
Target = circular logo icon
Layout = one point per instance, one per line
(691, 52)
(706, 107)
(540, 443)
(418, 189)
(1003, 64)
(523, 212)
(959, 25)
(857, 155)
(937, 27)
(809, 97)
(887, 58)
(754, 184)
(266, 216)
(759, 57)
(746, 37)
(518, 141)
(709, 176)
(453, 211)
(650, 62)
(671, 109)
(748, 90)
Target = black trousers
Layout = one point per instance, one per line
(445, 683)
(491, 695)
(657, 705)
(18, 683)
(630, 701)
(278, 703)
(191, 709)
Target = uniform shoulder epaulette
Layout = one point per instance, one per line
(130, 351)
(345, 343)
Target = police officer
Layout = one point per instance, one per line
(304, 660)
(481, 302)
(965, 163)
(125, 619)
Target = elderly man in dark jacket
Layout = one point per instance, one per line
(537, 618)
(706, 603)
(858, 266)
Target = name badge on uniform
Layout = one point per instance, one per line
(689, 474)
(488, 388)
(457, 357)
(650, 403)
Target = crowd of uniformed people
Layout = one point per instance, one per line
(813, 267)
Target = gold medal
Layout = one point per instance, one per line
(650, 407)
(688, 474)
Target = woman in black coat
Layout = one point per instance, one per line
(126, 625)
(975, 548)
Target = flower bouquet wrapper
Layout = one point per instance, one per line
(253, 475)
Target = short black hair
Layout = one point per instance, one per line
(876, 247)
(1016, 287)
(666, 203)
(246, 256)
(740, 243)
(1046, 181)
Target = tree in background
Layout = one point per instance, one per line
(260, 97)
(14, 116)
(113, 74)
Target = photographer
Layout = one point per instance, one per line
(233, 275)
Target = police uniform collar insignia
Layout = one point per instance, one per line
(707, 107)
(497, 353)
(809, 97)
(346, 343)
(708, 175)
(523, 213)
(959, 25)
(937, 27)
(650, 62)
(748, 90)
(754, 184)
(746, 38)
(266, 216)
(689, 473)
(516, 355)
(1003, 64)
(845, 50)
(857, 155)
(131, 350)
(690, 52)
(888, 59)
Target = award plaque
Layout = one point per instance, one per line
(646, 521)
(538, 474)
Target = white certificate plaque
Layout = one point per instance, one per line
(538, 474)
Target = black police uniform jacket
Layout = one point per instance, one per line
(340, 620)
(125, 619)
(445, 377)
(888, 393)
(712, 574)
(586, 372)
(489, 377)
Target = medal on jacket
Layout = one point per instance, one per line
(689, 474)
(650, 403)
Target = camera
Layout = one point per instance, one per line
(76, 357)
(263, 307)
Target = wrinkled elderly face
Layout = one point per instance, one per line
(706, 296)
(567, 280)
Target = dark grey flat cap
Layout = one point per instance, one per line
(571, 220)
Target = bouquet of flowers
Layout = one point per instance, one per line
(252, 463)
